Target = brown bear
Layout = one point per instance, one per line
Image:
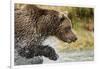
(33, 25)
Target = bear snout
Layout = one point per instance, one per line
(70, 37)
(74, 38)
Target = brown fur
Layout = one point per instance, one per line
(33, 25)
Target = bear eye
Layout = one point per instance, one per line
(67, 29)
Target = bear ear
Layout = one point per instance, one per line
(63, 14)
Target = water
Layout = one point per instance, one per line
(70, 56)
(65, 56)
(73, 57)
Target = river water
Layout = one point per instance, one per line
(65, 56)
(76, 56)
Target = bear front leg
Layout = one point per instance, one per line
(39, 50)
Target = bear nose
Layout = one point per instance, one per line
(74, 39)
